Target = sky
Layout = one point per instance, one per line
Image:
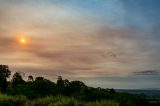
(105, 43)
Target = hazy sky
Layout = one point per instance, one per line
(107, 43)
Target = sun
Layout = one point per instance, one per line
(22, 40)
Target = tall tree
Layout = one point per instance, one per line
(30, 78)
(4, 74)
(60, 81)
(43, 86)
(17, 79)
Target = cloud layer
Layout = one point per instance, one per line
(80, 39)
(147, 72)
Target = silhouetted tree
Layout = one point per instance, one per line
(39, 79)
(112, 91)
(66, 83)
(43, 86)
(30, 78)
(17, 79)
(4, 74)
(76, 86)
(60, 82)
(4, 69)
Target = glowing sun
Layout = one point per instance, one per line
(22, 40)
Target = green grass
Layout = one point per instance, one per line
(65, 101)
(54, 101)
(6, 100)
(103, 103)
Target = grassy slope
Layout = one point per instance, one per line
(6, 100)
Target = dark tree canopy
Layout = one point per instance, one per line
(17, 78)
(4, 74)
(60, 82)
(30, 78)
(4, 69)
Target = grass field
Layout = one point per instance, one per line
(6, 100)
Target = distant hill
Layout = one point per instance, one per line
(148, 92)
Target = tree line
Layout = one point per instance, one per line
(42, 87)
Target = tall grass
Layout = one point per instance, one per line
(65, 101)
(6, 100)
(54, 101)
(103, 103)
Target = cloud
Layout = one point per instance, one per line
(7, 44)
(147, 72)
(69, 40)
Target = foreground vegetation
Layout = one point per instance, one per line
(6, 100)
(43, 92)
(154, 102)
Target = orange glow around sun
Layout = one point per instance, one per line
(22, 40)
